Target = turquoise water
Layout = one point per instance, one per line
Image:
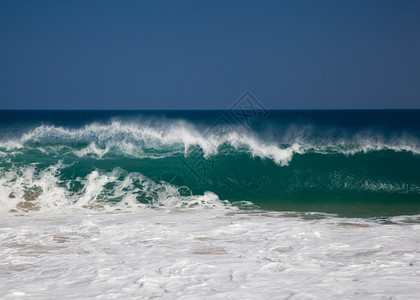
(352, 163)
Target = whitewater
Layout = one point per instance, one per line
(160, 204)
(207, 253)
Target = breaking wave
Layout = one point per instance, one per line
(188, 163)
(160, 140)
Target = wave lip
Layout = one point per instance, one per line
(166, 138)
(145, 141)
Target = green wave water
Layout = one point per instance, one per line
(358, 164)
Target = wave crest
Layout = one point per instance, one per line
(167, 138)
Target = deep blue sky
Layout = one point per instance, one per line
(205, 54)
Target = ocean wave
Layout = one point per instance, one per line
(37, 186)
(26, 189)
(163, 139)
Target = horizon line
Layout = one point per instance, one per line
(193, 109)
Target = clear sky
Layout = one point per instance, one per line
(205, 54)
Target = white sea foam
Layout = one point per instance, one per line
(92, 149)
(24, 189)
(20, 183)
(73, 253)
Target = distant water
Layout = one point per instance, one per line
(352, 163)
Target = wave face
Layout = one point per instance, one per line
(345, 162)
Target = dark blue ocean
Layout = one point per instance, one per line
(345, 162)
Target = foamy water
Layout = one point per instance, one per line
(178, 205)
(206, 253)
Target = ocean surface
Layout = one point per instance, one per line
(218, 204)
